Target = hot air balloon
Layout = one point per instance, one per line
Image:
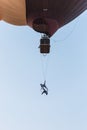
(44, 16)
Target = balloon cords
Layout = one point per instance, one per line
(44, 65)
(68, 34)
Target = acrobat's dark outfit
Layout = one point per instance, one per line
(44, 88)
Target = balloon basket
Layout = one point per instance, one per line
(45, 44)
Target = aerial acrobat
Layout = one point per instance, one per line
(44, 16)
(44, 89)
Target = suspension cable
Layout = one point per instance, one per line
(44, 65)
(69, 34)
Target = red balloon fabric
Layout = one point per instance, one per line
(46, 16)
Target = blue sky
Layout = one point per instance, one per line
(21, 104)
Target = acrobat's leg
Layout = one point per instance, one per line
(42, 93)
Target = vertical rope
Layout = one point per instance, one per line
(44, 65)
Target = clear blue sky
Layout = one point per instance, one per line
(21, 105)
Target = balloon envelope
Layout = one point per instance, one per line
(13, 11)
(49, 15)
(45, 16)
